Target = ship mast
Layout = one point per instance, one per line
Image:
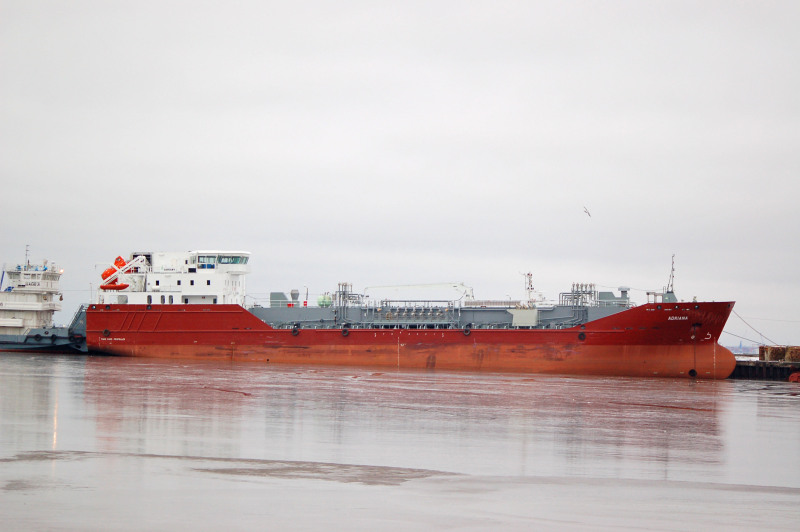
(671, 282)
(529, 285)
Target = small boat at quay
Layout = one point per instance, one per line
(29, 297)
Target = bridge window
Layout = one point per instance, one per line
(206, 261)
(232, 259)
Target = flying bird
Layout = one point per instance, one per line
(587, 211)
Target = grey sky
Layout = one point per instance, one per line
(413, 142)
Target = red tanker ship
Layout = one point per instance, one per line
(190, 305)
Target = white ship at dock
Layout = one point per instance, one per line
(29, 297)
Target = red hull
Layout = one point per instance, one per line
(665, 340)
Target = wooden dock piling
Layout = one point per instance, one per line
(767, 370)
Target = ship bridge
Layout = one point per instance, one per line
(190, 277)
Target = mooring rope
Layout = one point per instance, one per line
(754, 329)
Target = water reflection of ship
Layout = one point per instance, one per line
(29, 390)
(162, 407)
(672, 426)
(446, 421)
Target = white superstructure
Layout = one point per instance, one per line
(29, 296)
(170, 278)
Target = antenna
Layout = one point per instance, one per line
(27, 252)
(528, 284)
(671, 281)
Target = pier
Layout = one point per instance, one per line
(774, 363)
(768, 370)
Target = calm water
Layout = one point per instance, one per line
(89, 443)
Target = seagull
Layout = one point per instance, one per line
(587, 211)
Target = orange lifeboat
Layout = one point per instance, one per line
(114, 286)
(119, 263)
